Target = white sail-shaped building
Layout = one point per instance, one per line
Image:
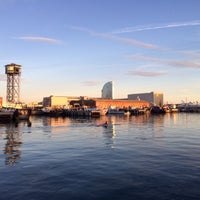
(107, 91)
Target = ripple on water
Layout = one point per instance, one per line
(133, 158)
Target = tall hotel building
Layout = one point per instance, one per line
(107, 91)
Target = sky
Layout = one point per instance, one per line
(73, 47)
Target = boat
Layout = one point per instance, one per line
(138, 111)
(97, 112)
(37, 111)
(116, 111)
(21, 114)
(102, 111)
(170, 108)
(157, 110)
(6, 115)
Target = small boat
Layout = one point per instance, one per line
(102, 111)
(37, 111)
(97, 112)
(170, 108)
(21, 114)
(138, 111)
(6, 115)
(157, 110)
(115, 111)
(46, 110)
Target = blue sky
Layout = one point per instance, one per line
(73, 47)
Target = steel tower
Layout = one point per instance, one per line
(13, 72)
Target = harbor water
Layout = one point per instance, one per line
(134, 157)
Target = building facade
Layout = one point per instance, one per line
(154, 98)
(106, 103)
(58, 101)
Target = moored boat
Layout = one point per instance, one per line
(97, 112)
(21, 114)
(157, 110)
(117, 111)
(6, 115)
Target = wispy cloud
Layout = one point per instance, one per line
(154, 27)
(194, 54)
(40, 39)
(146, 73)
(89, 83)
(173, 63)
(113, 37)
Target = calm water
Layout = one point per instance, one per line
(138, 157)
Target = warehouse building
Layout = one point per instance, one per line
(106, 103)
(58, 101)
(154, 98)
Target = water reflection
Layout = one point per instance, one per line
(142, 126)
(109, 130)
(56, 121)
(13, 137)
(56, 124)
(108, 127)
(157, 124)
(108, 123)
(27, 123)
(148, 125)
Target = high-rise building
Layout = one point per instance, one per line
(107, 91)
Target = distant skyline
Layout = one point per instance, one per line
(73, 47)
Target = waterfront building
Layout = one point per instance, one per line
(106, 103)
(154, 98)
(58, 101)
(107, 91)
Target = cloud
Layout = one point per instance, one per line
(89, 83)
(155, 27)
(146, 73)
(113, 37)
(40, 39)
(194, 54)
(173, 63)
(130, 41)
